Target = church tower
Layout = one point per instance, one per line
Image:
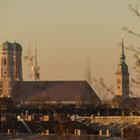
(6, 63)
(6, 68)
(10, 67)
(17, 56)
(122, 76)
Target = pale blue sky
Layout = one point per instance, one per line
(68, 32)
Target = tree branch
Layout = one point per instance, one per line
(131, 32)
(134, 10)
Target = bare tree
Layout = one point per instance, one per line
(102, 89)
(135, 82)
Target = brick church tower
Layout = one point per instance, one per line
(122, 76)
(10, 67)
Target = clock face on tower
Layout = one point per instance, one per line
(119, 67)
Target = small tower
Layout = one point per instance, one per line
(10, 67)
(17, 54)
(122, 76)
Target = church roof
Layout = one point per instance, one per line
(117, 101)
(69, 92)
(133, 103)
(130, 102)
(117, 98)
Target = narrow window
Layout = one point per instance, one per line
(118, 81)
(4, 61)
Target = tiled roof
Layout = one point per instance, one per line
(117, 99)
(55, 91)
(132, 102)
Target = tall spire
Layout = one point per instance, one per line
(35, 67)
(122, 58)
(35, 55)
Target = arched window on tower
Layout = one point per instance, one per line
(118, 81)
(4, 61)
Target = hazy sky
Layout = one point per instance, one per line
(68, 32)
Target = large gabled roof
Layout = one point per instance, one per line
(69, 92)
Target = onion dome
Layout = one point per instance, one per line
(7, 46)
(17, 46)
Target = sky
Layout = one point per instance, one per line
(68, 32)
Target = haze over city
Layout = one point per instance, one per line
(69, 32)
(69, 69)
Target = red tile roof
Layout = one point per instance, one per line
(55, 91)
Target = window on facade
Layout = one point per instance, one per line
(4, 61)
(118, 81)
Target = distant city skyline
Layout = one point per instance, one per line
(69, 32)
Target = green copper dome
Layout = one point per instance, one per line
(17, 46)
(6, 46)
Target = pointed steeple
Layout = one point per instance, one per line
(122, 76)
(35, 56)
(122, 58)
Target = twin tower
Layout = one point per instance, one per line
(10, 66)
